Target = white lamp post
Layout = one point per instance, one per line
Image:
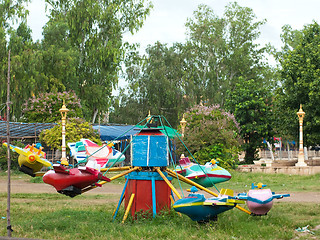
(301, 162)
(64, 112)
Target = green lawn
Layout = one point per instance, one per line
(55, 216)
(241, 182)
(277, 182)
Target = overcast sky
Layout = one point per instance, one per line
(168, 17)
(166, 22)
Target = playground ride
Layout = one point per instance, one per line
(31, 159)
(206, 175)
(260, 200)
(71, 181)
(86, 151)
(202, 209)
(148, 187)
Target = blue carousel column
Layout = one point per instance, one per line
(121, 199)
(154, 200)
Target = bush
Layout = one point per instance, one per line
(76, 128)
(45, 108)
(211, 133)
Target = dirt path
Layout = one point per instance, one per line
(23, 186)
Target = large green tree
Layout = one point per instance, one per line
(92, 33)
(155, 84)
(251, 105)
(12, 11)
(82, 50)
(218, 50)
(300, 82)
(222, 49)
(25, 59)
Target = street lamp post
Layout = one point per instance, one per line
(183, 124)
(301, 162)
(64, 112)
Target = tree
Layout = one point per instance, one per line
(155, 83)
(251, 105)
(211, 133)
(221, 50)
(300, 82)
(169, 80)
(25, 60)
(10, 13)
(93, 31)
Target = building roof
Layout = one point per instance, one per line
(106, 132)
(23, 130)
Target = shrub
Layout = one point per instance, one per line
(45, 108)
(211, 133)
(76, 128)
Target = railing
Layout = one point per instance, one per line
(287, 155)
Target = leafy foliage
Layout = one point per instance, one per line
(10, 13)
(300, 82)
(251, 106)
(211, 133)
(45, 108)
(221, 49)
(155, 82)
(82, 50)
(218, 50)
(90, 35)
(76, 129)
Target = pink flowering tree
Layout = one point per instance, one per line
(211, 133)
(45, 107)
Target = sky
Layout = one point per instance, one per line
(166, 22)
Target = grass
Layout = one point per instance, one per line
(53, 216)
(88, 216)
(241, 182)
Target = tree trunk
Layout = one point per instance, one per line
(94, 116)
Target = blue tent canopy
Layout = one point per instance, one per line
(121, 132)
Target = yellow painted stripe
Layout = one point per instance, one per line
(188, 205)
(235, 201)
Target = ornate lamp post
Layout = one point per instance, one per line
(183, 124)
(64, 112)
(301, 162)
(148, 117)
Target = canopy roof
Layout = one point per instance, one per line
(118, 132)
(170, 132)
(107, 132)
(23, 130)
(121, 132)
